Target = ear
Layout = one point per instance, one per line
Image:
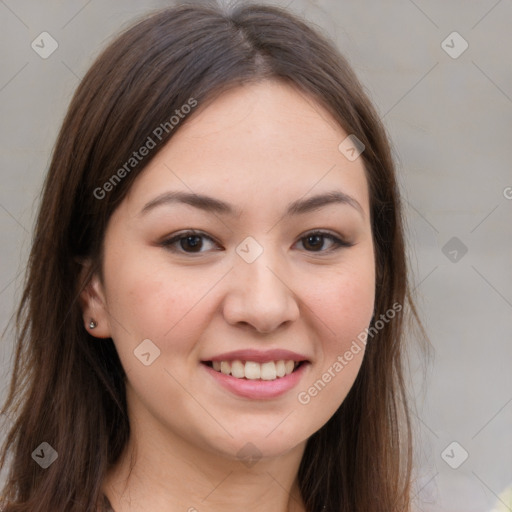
(93, 303)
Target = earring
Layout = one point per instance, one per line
(92, 324)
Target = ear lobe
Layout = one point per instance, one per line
(93, 304)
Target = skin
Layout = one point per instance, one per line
(257, 147)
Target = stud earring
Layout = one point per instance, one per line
(92, 324)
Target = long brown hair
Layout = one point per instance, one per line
(67, 389)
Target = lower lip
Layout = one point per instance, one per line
(256, 389)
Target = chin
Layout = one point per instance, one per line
(254, 444)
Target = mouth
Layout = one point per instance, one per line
(253, 370)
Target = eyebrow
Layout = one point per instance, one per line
(210, 204)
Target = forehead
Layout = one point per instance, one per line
(254, 144)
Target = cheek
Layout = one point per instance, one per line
(148, 300)
(344, 303)
(343, 307)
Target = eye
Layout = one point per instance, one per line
(315, 240)
(188, 242)
(191, 242)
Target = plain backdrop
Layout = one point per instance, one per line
(446, 102)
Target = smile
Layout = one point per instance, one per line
(253, 370)
(254, 380)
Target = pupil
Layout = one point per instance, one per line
(317, 238)
(193, 241)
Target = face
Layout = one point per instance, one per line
(259, 281)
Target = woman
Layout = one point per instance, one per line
(217, 291)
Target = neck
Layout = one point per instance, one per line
(170, 473)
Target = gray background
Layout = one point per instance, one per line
(450, 123)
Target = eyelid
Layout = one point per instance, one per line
(168, 242)
(338, 240)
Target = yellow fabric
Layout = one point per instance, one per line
(504, 504)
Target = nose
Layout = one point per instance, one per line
(259, 295)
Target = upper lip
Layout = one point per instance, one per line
(259, 356)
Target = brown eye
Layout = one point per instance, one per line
(314, 242)
(194, 242)
(188, 242)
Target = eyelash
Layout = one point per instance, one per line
(169, 243)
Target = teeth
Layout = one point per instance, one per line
(225, 367)
(268, 370)
(237, 369)
(280, 369)
(252, 370)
